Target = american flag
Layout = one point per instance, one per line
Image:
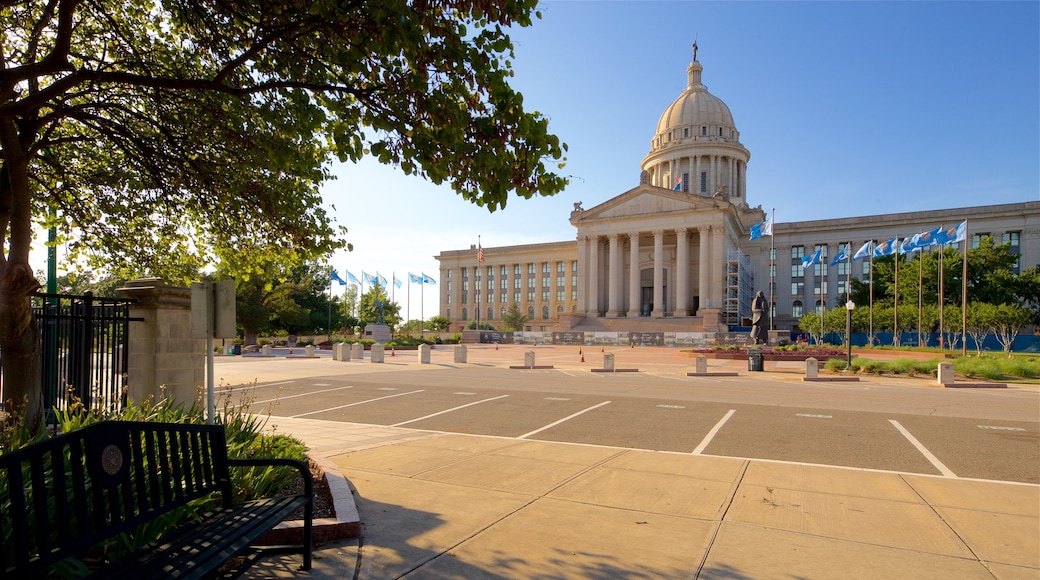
(480, 254)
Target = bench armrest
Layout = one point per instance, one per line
(305, 471)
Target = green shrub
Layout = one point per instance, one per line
(835, 365)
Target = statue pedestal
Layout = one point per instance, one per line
(377, 332)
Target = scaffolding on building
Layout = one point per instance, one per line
(740, 284)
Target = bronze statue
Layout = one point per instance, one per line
(760, 319)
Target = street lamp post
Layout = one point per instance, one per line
(849, 306)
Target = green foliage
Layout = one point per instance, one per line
(438, 323)
(514, 318)
(483, 326)
(367, 312)
(245, 439)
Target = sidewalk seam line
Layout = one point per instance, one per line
(722, 517)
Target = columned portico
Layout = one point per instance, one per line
(613, 277)
(682, 277)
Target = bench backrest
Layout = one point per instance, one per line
(61, 496)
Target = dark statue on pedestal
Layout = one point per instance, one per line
(760, 319)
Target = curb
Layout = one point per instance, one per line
(346, 524)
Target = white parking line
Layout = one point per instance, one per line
(248, 386)
(711, 434)
(449, 410)
(355, 404)
(924, 451)
(565, 419)
(300, 395)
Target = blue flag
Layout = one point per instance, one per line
(886, 248)
(380, 279)
(396, 281)
(812, 260)
(414, 279)
(908, 245)
(369, 279)
(336, 278)
(954, 234)
(929, 238)
(842, 256)
(353, 278)
(427, 280)
(863, 251)
(763, 229)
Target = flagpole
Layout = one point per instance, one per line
(870, 286)
(476, 286)
(964, 296)
(895, 300)
(330, 305)
(920, 293)
(772, 263)
(942, 337)
(848, 291)
(408, 299)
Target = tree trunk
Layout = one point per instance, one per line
(20, 346)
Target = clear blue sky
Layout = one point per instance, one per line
(847, 108)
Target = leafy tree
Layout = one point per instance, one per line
(169, 136)
(514, 318)
(483, 326)
(438, 323)
(368, 314)
(1008, 321)
(1028, 291)
(411, 327)
(981, 317)
(812, 324)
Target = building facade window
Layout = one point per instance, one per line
(797, 288)
(797, 252)
(545, 313)
(530, 268)
(796, 309)
(976, 239)
(559, 295)
(491, 313)
(704, 182)
(465, 314)
(530, 312)
(545, 267)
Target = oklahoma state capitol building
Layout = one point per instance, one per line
(673, 254)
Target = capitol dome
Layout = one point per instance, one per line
(696, 146)
(697, 109)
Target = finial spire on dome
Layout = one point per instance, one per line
(693, 73)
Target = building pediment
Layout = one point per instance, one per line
(647, 200)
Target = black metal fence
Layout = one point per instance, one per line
(84, 349)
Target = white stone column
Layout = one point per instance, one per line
(658, 274)
(583, 261)
(613, 296)
(704, 283)
(633, 275)
(713, 177)
(718, 265)
(682, 276)
(697, 172)
(693, 180)
(594, 275)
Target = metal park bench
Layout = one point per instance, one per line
(62, 497)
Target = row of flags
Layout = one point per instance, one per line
(378, 280)
(935, 237)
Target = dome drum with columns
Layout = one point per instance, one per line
(673, 255)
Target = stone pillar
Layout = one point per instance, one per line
(529, 359)
(595, 274)
(633, 275)
(424, 354)
(682, 275)
(702, 364)
(376, 353)
(308, 351)
(697, 172)
(266, 350)
(608, 362)
(718, 266)
(812, 368)
(945, 374)
(460, 354)
(613, 296)
(658, 274)
(703, 284)
(162, 351)
(359, 351)
(345, 351)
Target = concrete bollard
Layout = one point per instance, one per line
(702, 364)
(337, 350)
(424, 354)
(945, 374)
(460, 353)
(376, 354)
(608, 362)
(266, 350)
(359, 351)
(309, 351)
(529, 358)
(345, 352)
(812, 368)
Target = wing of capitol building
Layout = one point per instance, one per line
(673, 254)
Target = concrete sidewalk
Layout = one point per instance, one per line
(458, 506)
(435, 505)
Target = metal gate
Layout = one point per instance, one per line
(84, 350)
